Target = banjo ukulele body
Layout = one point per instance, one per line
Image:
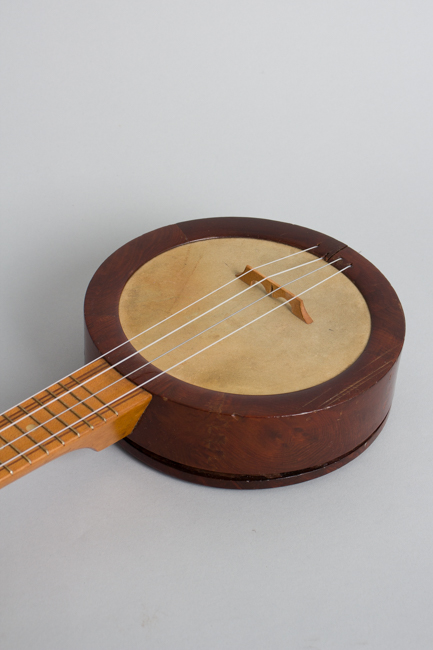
(282, 401)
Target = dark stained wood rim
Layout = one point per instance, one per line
(231, 481)
(385, 342)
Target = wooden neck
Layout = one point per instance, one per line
(69, 415)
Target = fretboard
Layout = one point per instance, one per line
(93, 407)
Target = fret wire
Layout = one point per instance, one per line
(6, 468)
(40, 424)
(100, 400)
(27, 434)
(211, 345)
(69, 408)
(79, 400)
(197, 317)
(250, 322)
(16, 450)
(17, 426)
(44, 449)
(305, 250)
(77, 433)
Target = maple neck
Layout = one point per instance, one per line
(93, 407)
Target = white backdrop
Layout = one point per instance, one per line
(119, 117)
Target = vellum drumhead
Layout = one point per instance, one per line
(277, 354)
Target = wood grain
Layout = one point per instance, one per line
(250, 276)
(69, 415)
(211, 435)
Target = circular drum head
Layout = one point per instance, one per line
(279, 353)
(279, 401)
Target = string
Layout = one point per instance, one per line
(101, 356)
(219, 322)
(10, 460)
(114, 365)
(150, 344)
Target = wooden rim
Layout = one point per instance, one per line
(221, 480)
(387, 319)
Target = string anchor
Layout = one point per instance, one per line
(250, 276)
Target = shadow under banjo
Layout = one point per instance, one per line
(231, 352)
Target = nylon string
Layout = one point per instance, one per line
(114, 365)
(176, 364)
(24, 417)
(168, 318)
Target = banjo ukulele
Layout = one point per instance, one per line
(231, 352)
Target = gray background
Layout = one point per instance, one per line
(119, 117)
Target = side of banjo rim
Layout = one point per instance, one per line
(243, 441)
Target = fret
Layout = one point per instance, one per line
(5, 467)
(26, 433)
(100, 400)
(84, 403)
(57, 419)
(48, 410)
(7, 448)
(68, 408)
(16, 450)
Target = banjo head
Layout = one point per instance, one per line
(278, 353)
(246, 394)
